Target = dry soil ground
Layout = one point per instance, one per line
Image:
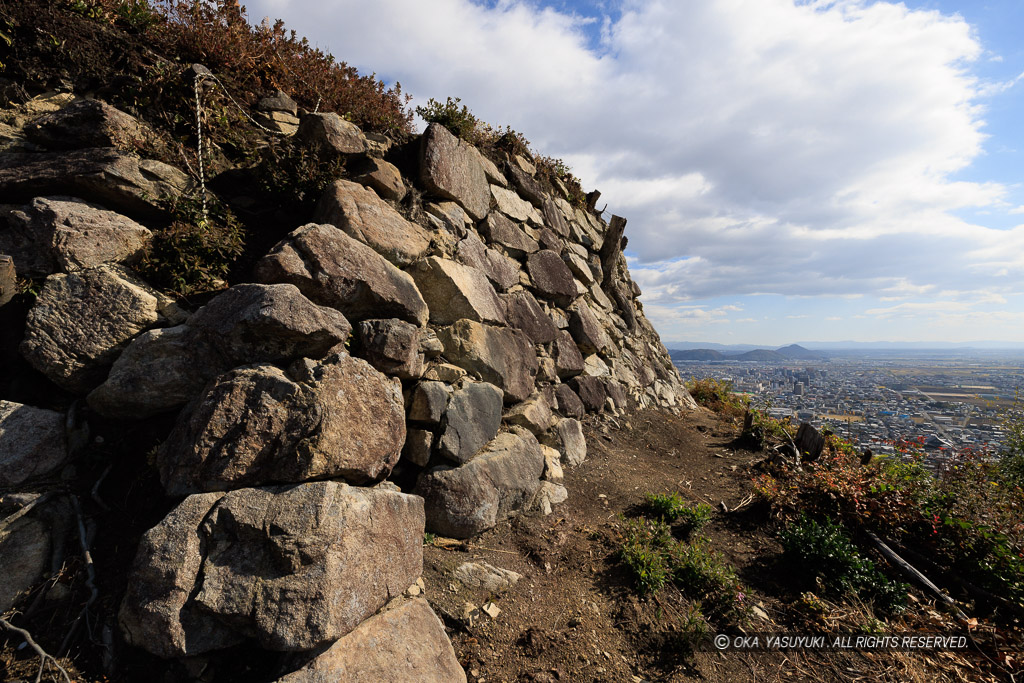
(575, 616)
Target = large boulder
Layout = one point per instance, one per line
(428, 401)
(453, 218)
(551, 277)
(81, 321)
(553, 218)
(502, 271)
(118, 180)
(587, 330)
(533, 414)
(162, 369)
(591, 391)
(449, 168)
(278, 112)
(500, 230)
(525, 183)
(63, 234)
(158, 613)
(471, 420)
(87, 123)
(329, 133)
(503, 479)
(384, 178)
(501, 356)
(454, 291)
(31, 443)
(524, 313)
(392, 346)
(406, 642)
(569, 403)
(510, 204)
(165, 368)
(363, 215)
(259, 425)
(573, 443)
(580, 267)
(31, 542)
(293, 567)
(567, 356)
(336, 270)
(273, 323)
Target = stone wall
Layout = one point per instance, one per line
(417, 358)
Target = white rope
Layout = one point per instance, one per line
(199, 134)
(202, 75)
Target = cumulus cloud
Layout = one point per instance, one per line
(774, 147)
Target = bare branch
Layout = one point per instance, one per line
(44, 657)
(90, 576)
(11, 519)
(95, 493)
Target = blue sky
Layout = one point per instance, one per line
(818, 170)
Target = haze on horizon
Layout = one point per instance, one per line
(814, 169)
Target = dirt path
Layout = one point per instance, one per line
(574, 615)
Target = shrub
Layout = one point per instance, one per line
(292, 173)
(703, 574)
(664, 506)
(670, 508)
(253, 59)
(459, 121)
(645, 553)
(654, 558)
(717, 395)
(1011, 461)
(824, 552)
(966, 518)
(193, 254)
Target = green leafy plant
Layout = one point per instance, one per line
(824, 552)
(645, 551)
(193, 253)
(1011, 459)
(654, 558)
(458, 120)
(718, 396)
(138, 15)
(671, 508)
(703, 574)
(292, 173)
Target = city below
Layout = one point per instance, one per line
(949, 400)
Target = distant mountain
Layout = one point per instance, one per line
(760, 355)
(724, 348)
(797, 352)
(697, 354)
(922, 345)
(707, 355)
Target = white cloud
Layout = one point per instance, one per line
(768, 147)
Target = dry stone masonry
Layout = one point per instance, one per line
(418, 358)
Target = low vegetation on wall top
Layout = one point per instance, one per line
(458, 119)
(216, 34)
